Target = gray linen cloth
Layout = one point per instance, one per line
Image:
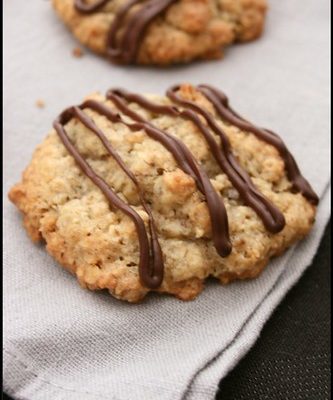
(63, 342)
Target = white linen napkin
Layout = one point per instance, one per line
(63, 342)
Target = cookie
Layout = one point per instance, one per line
(162, 32)
(139, 193)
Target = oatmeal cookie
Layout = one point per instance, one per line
(162, 32)
(157, 193)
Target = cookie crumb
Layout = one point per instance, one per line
(40, 103)
(77, 52)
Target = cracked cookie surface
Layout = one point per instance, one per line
(99, 243)
(186, 30)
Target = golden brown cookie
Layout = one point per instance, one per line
(162, 31)
(134, 194)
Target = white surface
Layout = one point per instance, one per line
(62, 342)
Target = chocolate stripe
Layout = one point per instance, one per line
(125, 49)
(151, 258)
(129, 44)
(216, 208)
(220, 101)
(85, 8)
(271, 216)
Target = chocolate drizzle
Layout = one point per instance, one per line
(85, 8)
(151, 262)
(271, 216)
(188, 164)
(221, 103)
(124, 49)
(151, 258)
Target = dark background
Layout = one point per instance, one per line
(291, 360)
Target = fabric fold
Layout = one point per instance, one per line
(63, 342)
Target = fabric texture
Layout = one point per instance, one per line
(292, 358)
(62, 342)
